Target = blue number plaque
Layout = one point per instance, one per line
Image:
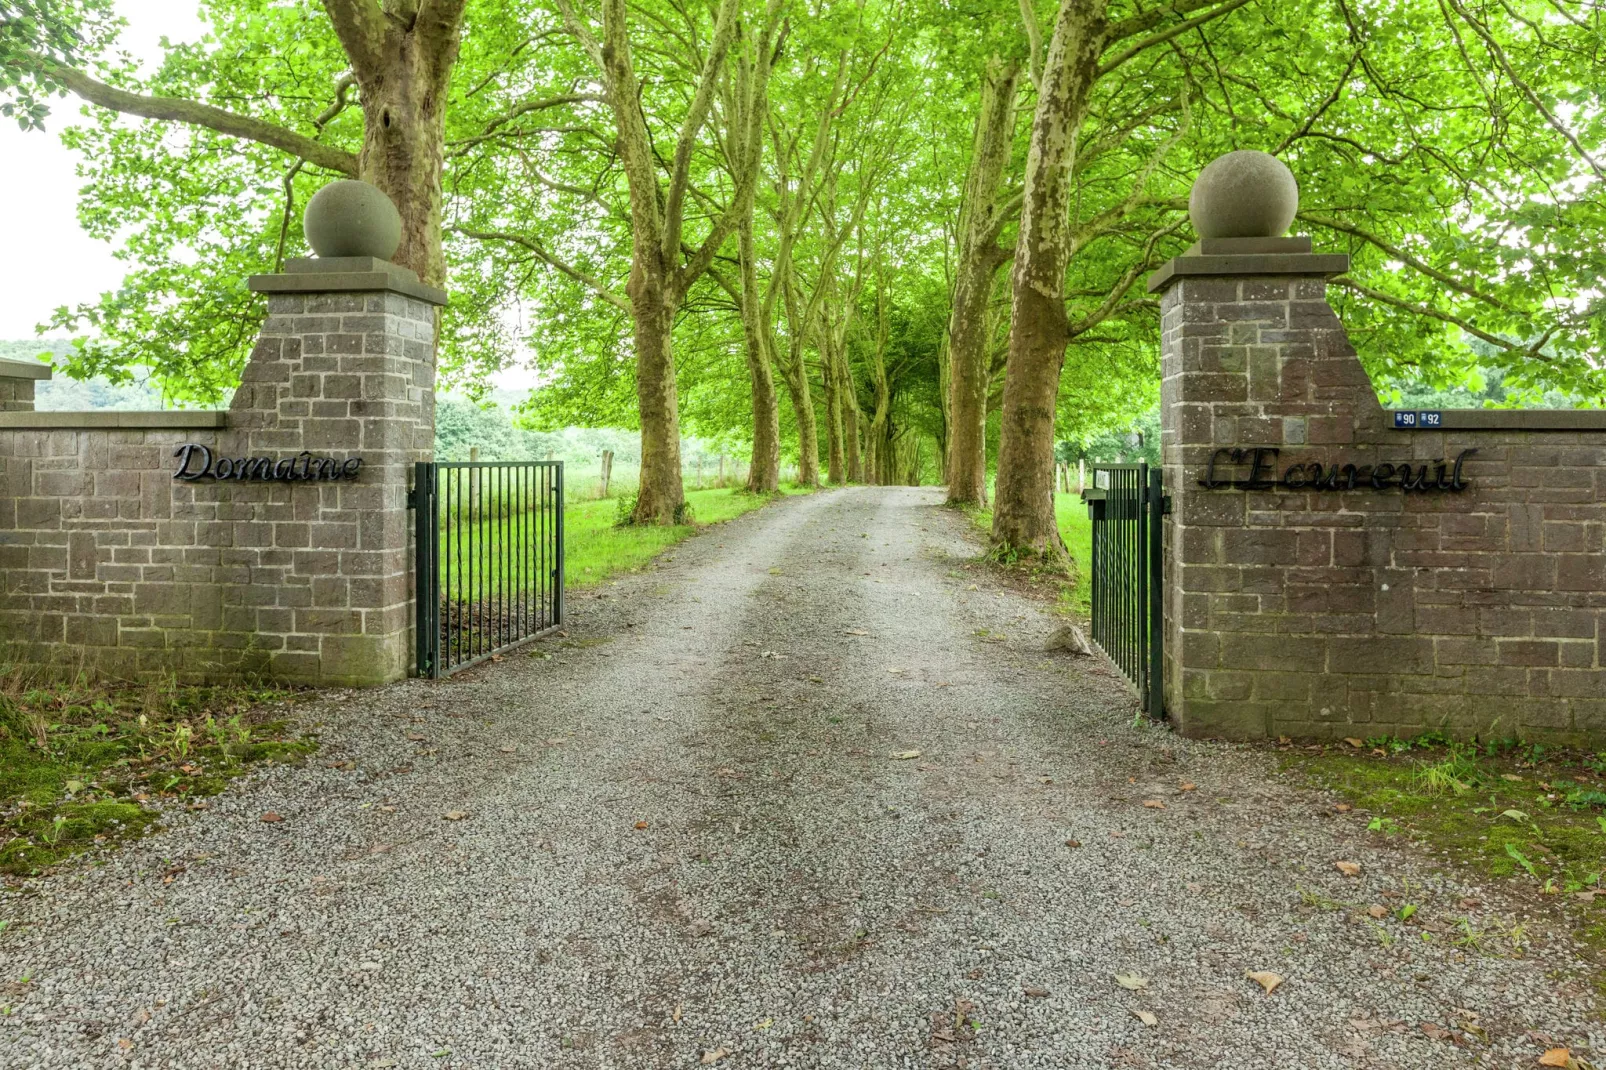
(1405, 421)
(1429, 420)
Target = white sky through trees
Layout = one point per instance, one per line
(50, 260)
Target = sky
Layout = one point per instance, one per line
(52, 262)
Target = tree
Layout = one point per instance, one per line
(663, 268)
(400, 56)
(981, 222)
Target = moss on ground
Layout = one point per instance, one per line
(84, 765)
(1530, 814)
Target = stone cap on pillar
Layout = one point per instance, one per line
(24, 369)
(1241, 205)
(346, 274)
(354, 229)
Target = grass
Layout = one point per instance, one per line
(1076, 528)
(83, 765)
(596, 548)
(1525, 812)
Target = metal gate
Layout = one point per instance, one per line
(489, 562)
(1126, 503)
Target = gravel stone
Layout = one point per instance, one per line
(798, 896)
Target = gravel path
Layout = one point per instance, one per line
(688, 841)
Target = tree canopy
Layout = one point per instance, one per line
(824, 202)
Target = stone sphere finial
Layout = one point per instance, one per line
(351, 218)
(1244, 194)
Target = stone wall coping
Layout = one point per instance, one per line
(113, 420)
(1283, 264)
(346, 274)
(24, 369)
(1518, 419)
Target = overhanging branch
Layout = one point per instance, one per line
(176, 109)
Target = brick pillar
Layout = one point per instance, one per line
(1251, 355)
(17, 379)
(322, 572)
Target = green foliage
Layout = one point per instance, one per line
(1455, 152)
(51, 31)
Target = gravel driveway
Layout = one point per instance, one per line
(696, 833)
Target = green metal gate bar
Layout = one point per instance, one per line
(489, 559)
(1127, 505)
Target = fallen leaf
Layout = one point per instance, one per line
(1131, 981)
(455, 815)
(1147, 1018)
(1352, 741)
(126, 1044)
(641, 824)
(1434, 1030)
(711, 1057)
(1188, 785)
(1553, 1057)
(509, 749)
(416, 737)
(855, 631)
(1073, 843)
(272, 818)
(905, 755)
(895, 671)
(1518, 779)
(1349, 869)
(1343, 808)
(1035, 993)
(1266, 979)
(1378, 912)
(1153, 804)
(676, 1015)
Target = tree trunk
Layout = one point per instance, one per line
(1023, 516)
(834, 465)
(403, 145)
(851, 417)
(979, 260)
(808, 436)
(660, 497)
(797, 385)
(764, 469)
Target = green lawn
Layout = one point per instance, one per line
(596, 549)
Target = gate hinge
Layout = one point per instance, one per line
(412, 498)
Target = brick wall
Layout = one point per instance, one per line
(1367, 612)
(107, 560)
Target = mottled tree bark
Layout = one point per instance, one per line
(796, 374)
(764, 468)
(1023, 514)
(982, 217)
